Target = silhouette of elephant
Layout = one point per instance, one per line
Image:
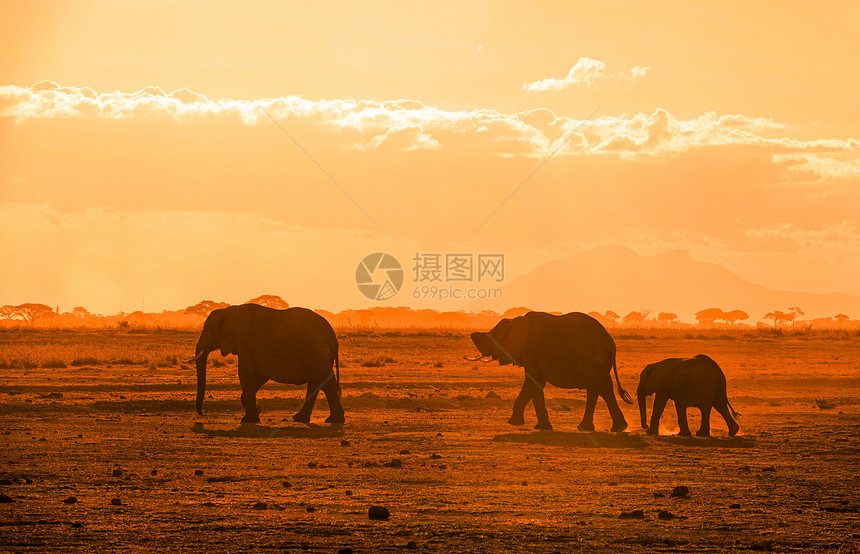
(692, 382)
(571, 351)
(295, 346)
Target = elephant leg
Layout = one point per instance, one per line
(618, 422)
(332, 395)
(705, 428)
(587, 423)
(656, 413)
(733, 426)
(683, 426)
(518, 417)
(304, 413)
(251, 383)
(539, 402)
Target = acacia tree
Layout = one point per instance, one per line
(779, 318)
(270, 301)
(205, 307)
(667, 318)
(734, 316)
(8, 312)
(80, 312)
(28, 312)
(635, 318)
(709, 316)
(841, 318)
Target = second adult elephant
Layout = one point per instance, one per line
(571, 351)
(295, 346)
(696, 382)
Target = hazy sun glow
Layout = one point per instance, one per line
(141, 166)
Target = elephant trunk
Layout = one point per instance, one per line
(201, 358)
(643, 411)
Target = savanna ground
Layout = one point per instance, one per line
(109, 415)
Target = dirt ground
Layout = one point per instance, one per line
(466, 481)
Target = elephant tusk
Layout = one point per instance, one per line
(193, 358)
(468, 359)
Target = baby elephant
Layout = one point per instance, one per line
(692, 382)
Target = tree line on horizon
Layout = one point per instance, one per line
(30, 314)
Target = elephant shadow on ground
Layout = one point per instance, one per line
(568, 439)
(256, 431)
(707, 442)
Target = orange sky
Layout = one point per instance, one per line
(137, 163)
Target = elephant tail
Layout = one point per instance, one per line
(729, 404)
(621, 392)
(337, 373)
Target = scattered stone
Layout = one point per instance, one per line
(348, 493)
(312, 465)
(443, 466)
(378, 512)
(5, 481)
(438, 434)
(261, 506)
(411, 545)
(396, 463)
(70, 500)
(771, 468)
(634, 514)
(310, 509)
(435, 456)
(665, 514)
(117, 472)
(77, 525)
(658, 495)
(28, 481)
(198, 472)
(209, 504)
(344, 442)
(405, 452)
(493, 395)
(680, 491)
(115, 502)
(5, 499)
(745, 469)
(154, 472)
(287, 485)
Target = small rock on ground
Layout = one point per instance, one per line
(633, 514)
(378, 512)
(680, 491)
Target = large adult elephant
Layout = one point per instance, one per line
(689, 382)
(295, 346)
(570, 351)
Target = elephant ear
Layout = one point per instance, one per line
(234, 329)
(512, 344)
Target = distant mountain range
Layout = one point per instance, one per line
(617, 278)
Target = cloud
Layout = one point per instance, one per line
(411, 125)
(587, 72)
